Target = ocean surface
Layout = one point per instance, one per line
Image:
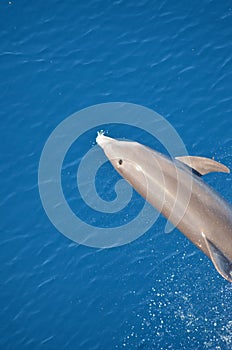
(56, 58)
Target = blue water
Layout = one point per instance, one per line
(57, 57)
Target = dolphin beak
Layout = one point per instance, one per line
(103, 140)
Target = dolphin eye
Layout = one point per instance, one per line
(120, 162)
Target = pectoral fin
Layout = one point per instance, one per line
(203, 165)
(222, 264)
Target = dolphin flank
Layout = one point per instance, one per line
(176, 189)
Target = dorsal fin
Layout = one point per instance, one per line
(203, 165)
(222, 264)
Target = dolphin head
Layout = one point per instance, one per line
(126, 157)
(119, 153)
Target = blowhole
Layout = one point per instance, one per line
(120, 162)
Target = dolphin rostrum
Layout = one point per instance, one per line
(176, 189)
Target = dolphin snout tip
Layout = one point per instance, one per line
(102, 140)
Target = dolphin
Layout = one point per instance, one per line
(176, 189)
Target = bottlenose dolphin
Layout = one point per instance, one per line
(176, 189)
